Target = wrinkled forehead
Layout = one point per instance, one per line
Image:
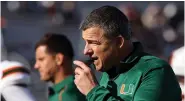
(93, 33)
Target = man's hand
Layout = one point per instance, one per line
(84, 78)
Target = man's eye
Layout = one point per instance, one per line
(41, 59)
(93, 42)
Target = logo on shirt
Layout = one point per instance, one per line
(127, 89)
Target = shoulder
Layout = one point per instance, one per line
(72, 91)
(149, 63)
(22, 93)
(153, 61)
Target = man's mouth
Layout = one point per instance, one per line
(94, 58)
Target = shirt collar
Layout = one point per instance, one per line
(128, 62)
(134, 55)
(57, 87)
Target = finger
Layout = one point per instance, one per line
(78, 71)
(75, 81)
(76, 76)
(82, 65)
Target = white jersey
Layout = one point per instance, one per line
(12, 75)
(177, 61)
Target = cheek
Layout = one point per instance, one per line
(100, 50)
(102, 53)
(49, 66)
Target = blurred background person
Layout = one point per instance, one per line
(14, 77)
(54, 54)
(14, 82)
(177, 62)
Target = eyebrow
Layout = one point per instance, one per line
(96, 41)
(89, 39)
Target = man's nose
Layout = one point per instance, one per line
(36, 66)
(88, 50)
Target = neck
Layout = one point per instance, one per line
(62, 73)
(125, 51)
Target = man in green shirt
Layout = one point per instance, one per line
(129, 74)
(54, 54)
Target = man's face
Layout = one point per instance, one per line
(98, 46)
(45, 63)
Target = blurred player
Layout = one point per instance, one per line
(177, 63)
(14, 77)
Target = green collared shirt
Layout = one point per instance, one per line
(140, 77)
(65, 91)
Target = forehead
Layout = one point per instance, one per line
(93, 33)
(41, 51)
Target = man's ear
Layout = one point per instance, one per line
(59, 58)
(120, 41)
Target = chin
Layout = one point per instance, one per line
(98, 68)
(44, 79)
(101, 69)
